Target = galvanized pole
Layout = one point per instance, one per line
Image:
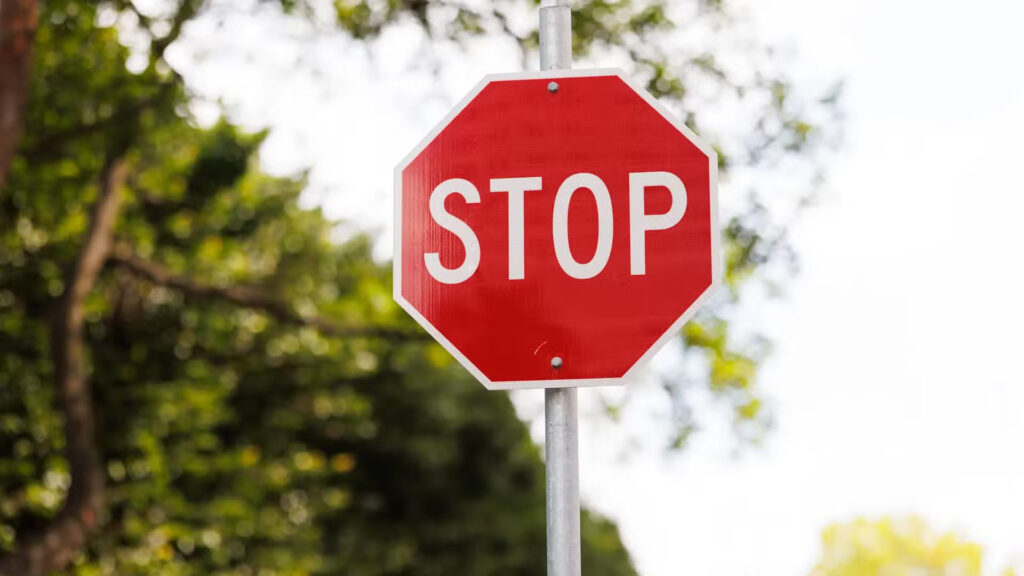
(563, 485)
(560, 414)
(555, 35)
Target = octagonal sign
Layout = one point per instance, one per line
(556, 229)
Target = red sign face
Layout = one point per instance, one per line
(556, 229)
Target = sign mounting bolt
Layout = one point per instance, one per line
(556, 362)
(553, 87)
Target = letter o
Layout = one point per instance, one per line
(560, 225)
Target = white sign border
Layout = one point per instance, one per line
(716, 256)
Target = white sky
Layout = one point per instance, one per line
(896, 378)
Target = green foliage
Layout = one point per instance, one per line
(896, 546)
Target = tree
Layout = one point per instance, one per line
(190, 362)
(896, 546)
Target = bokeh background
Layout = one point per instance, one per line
(202, 371)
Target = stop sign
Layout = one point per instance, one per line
(555, 229)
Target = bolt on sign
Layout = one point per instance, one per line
(556, 229)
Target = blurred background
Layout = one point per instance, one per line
(202, 370)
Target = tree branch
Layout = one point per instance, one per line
(186, 10)
(144, 20)
(55, 545)
(18, 21)
(251, 297)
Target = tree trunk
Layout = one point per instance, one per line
(53, 547)
(18, 19)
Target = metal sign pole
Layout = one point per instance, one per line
(563, 481)
(560, 413)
